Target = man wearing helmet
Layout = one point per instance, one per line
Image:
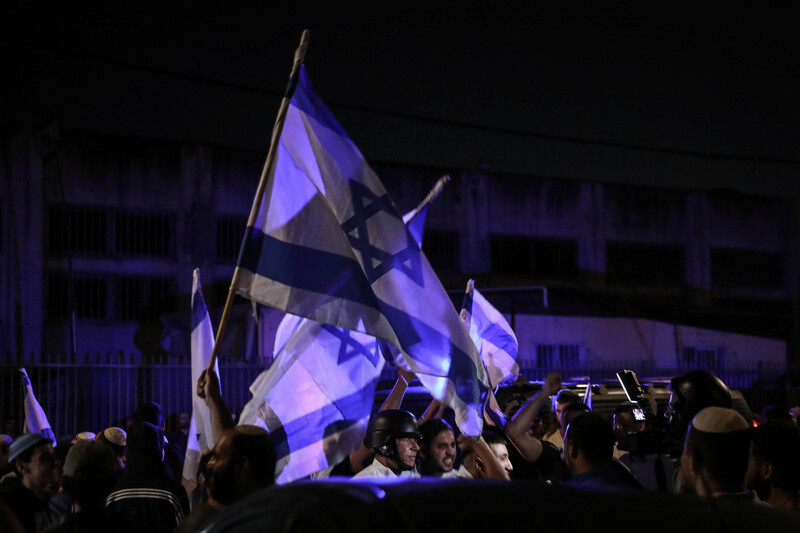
(394, 436)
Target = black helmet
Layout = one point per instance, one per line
(697, 390)
(391, 424)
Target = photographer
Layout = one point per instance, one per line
(643, 449)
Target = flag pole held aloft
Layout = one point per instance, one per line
(299, 56)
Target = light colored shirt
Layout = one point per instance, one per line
(378, 469)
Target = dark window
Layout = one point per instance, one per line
(540, 258)
(646, 264)
(90, 296)
(704, 357)
(57, 297)
(230, 231)
(511, 255)
(558, 355)
(74, 229)
(143, 234)
(141, 298)
(743, 269)
(443, 250)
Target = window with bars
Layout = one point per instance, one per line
(646, 264)
(143, 234)
(704, 357)
(230, 231)
(746, 269)
(541, 258)
(141, 298)
(443, 250)
(558, 355)
(76, 229)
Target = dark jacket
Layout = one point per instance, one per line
(145, 495)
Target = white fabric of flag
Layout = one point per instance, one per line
(317, 396)
(497, 345)
(490, 331)
(328, 244)
(35, 419)
(201, 437)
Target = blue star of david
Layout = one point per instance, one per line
(377, 262)
(350, 348)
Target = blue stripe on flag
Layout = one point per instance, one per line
(501, 338)
(306, 268)
(345, 411)
(199, 311)
(461, 369)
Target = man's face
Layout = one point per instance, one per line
(222, 472)
(501, 452)
(407, 450)
(41, 474)
(443, 450)
(623, 424)
(184, 419)
(757, 477)
(559, 409)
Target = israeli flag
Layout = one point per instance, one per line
(492, 335)
(328, 244)
(497, 345)
(201, 437)
(35, 419)
(317, 396)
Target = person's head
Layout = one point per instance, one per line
(243, 462)
(588, 442)
(437, 448)
(774, 460)
(184, 419)
(90, 473)
(145, 443)
(394, 436)
(693, 392)
(32, 457)
(150, 412)
(11, 426)
(625, 422)
(499, 446)
(563, 398)
(716, 452)
(570, 411)
(116, 439)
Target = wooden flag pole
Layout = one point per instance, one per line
(299, 56)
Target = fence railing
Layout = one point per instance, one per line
(91, 392)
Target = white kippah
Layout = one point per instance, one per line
(719, 420)
(116, 435)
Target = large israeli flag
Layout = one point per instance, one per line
(317, 396)
(328, 244)
(201, 437)
(35, 419)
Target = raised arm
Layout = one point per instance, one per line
(517, 429)
(208, 388)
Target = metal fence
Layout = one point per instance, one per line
(91, 392)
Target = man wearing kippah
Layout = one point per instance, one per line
(716, 455)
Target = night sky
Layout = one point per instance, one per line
(612, 91)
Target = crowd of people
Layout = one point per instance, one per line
(133, 477)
